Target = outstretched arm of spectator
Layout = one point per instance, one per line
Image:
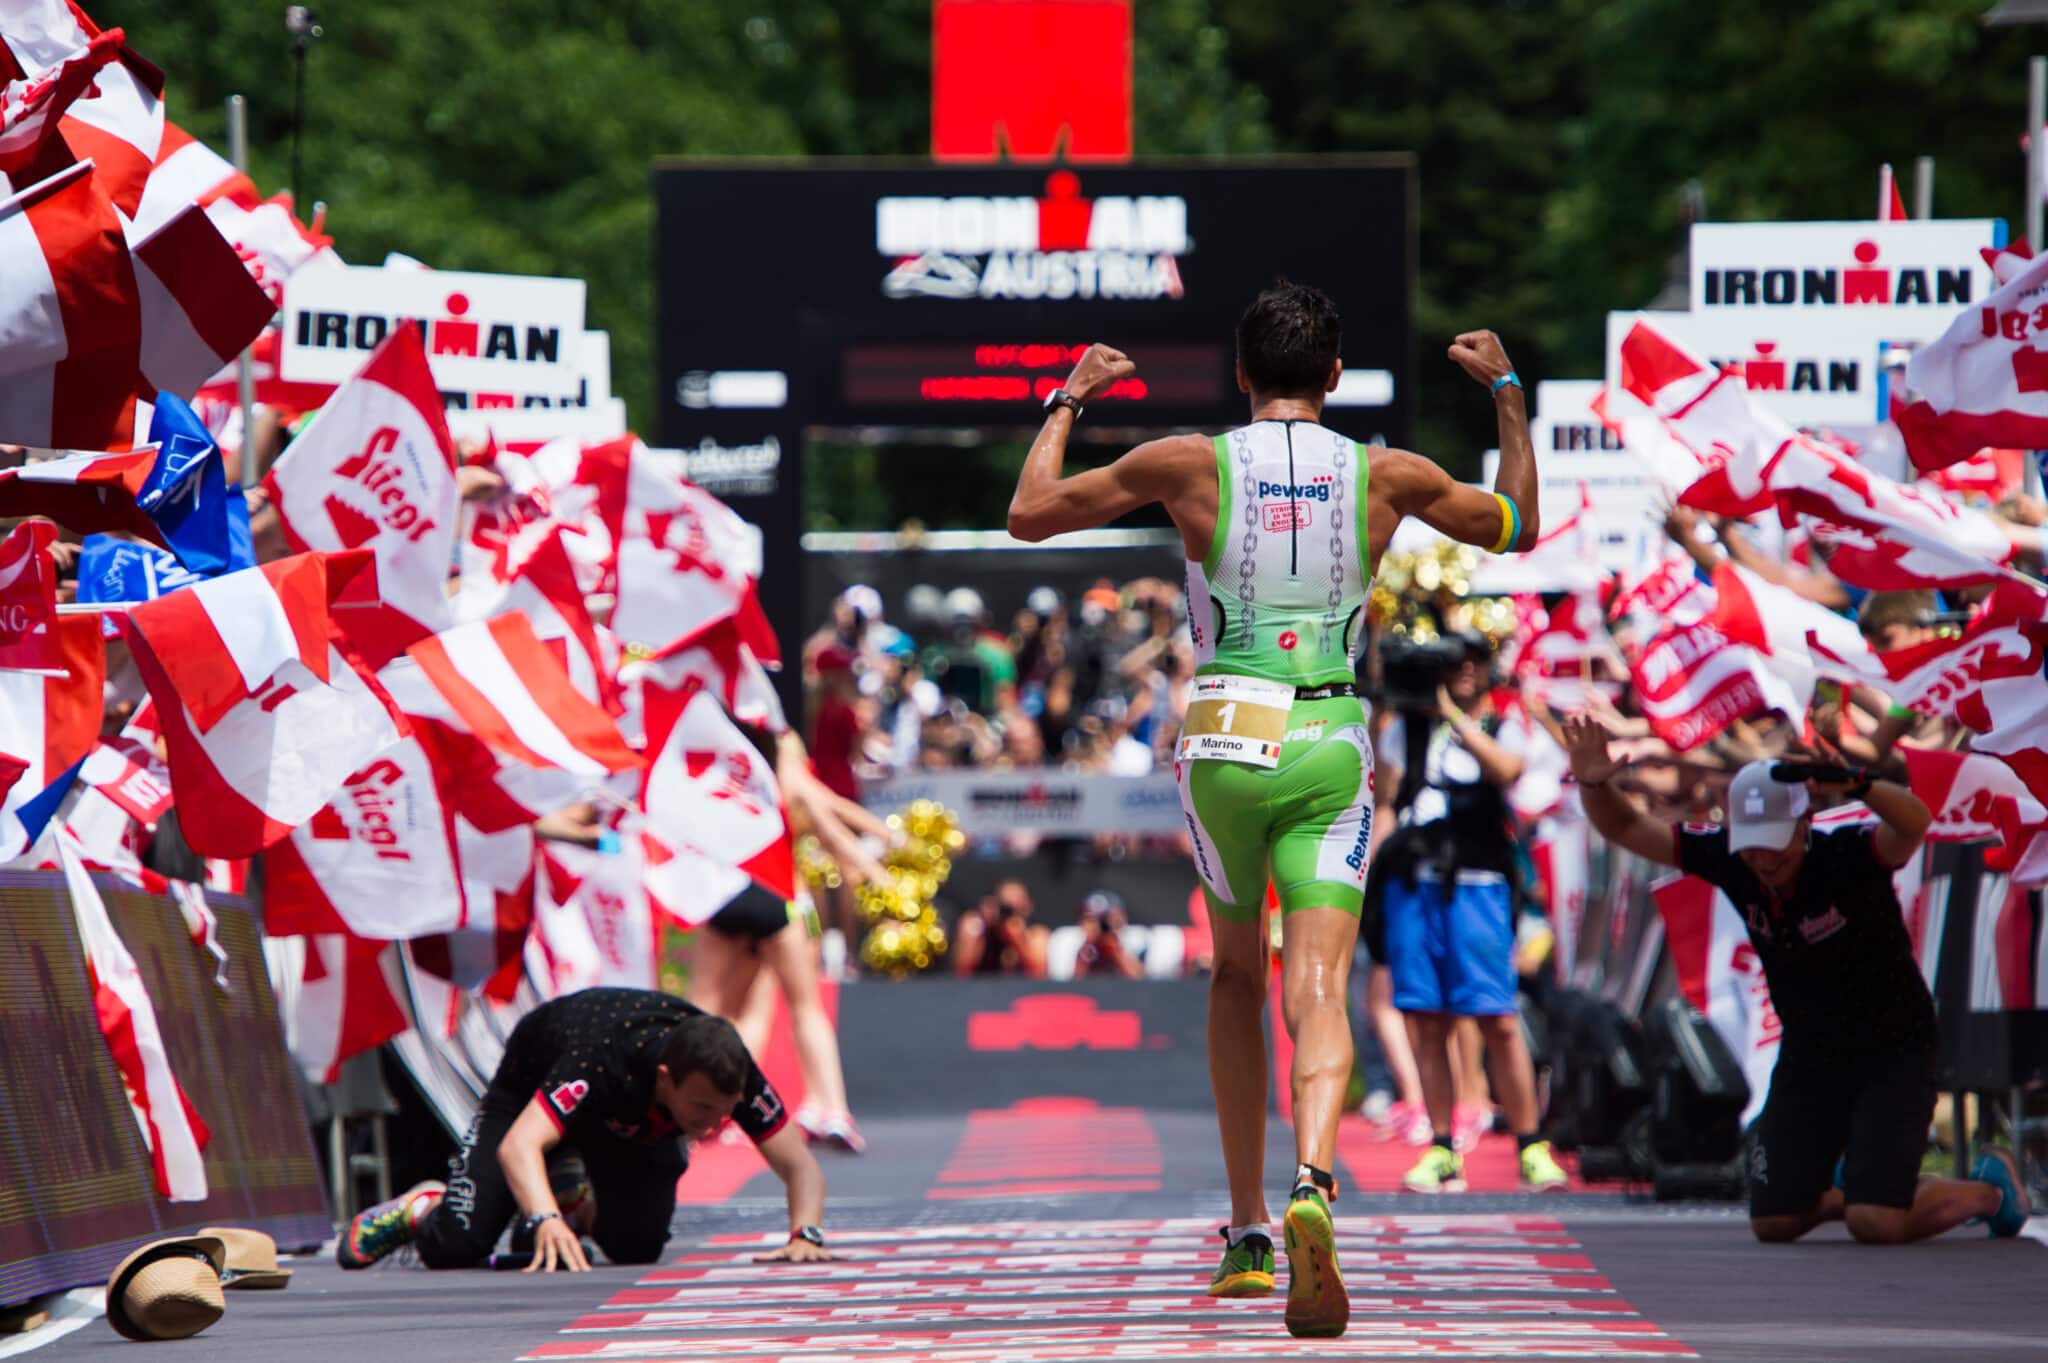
(1614, 816)
(814, 805)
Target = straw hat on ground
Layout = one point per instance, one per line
(168, 1289)
(252, 1259)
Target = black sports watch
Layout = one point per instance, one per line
(809, 1233)
(1060, 397)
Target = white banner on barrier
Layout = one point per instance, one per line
(1048, 801)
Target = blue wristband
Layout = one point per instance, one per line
(1504, 380)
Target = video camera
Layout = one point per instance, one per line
(1411, 670)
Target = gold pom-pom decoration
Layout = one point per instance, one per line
(905, 935)
(818, 869)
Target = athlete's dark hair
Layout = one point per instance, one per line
(708, 1046)
(1288, 339)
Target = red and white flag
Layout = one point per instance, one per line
(39, 91)
(707, 790)
(593, 921)
(187, 171)
(84, 492)
(379, 861)
(497, 681)
(171, 1126)
(1985, 380)
(1884, 535)
(47, 723)
(718, 659)
(1797, 639)
(542, 586)
(28, 599)
(1692, 682)
(127, 770)
(1975, 796)
(1720, 974)
(347, 1004)
(1890, 207)
(1668, 596)
(200, 303)
(1707, 410)
(263, 716)
(376, 470)
(686, 560)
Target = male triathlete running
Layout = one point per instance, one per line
(1283, 521)
(1845, 1124)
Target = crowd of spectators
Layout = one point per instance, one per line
(1095, 684)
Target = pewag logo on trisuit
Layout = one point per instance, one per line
(1061, 246)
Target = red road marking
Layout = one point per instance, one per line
(1276, 1350)
(1158, 1261)
(1110, 1308)
(718, 1171)
(1374, 1165)
(1147, 1243)
(811, 1290)
(1043, 1147)
(1192, 1225)
(1490, 1338)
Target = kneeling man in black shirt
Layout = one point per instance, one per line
(1843, 1129)
(622, 1076)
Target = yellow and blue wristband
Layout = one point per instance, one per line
(1510, 524)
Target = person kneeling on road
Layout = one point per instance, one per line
(1842, 1131)
(623, 1076)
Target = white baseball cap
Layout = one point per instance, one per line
(1764, 812)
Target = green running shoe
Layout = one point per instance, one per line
(1247, 1267)
(1438, 1171)
(377, 1231)
(1540, 1170)
(1317, 1306)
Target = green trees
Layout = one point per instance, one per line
(1556, 137)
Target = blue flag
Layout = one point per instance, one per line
(35, 813)
(241, 546)
(112, 569)
(186, 493)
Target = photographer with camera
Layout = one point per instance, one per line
(1841, 1134)
(1444, 887)
(998, 937)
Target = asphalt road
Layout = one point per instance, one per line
(1067, 1230)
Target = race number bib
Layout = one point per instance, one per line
(1236, 719)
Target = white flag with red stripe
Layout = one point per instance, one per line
(686, 560)
(1975, 796)
(127, 770)
(1985, 380)
(1798, 639)
(47, 723)
(593, 921)
(28, 599)
(200, 303)
(83, 491)
(263, 716)
(379, 861)
(497, 682)
(376, 470)
(1692, 682)
(49, 80)
(542, 585)
(1708, 412)
(718, 658)
(171, 1127)
(347, 1003)
(707, 790)
(1720, 974)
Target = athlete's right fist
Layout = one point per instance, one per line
(1479, 353)
(1098, 368)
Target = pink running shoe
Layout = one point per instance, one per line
(841, 1131)
(1468, 1124)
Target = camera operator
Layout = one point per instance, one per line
(998, 937)
(1444, 883)
(1102, 947)
(1841, 1134)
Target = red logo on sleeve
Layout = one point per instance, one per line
(566, 1096)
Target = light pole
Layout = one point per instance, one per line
(300, 22)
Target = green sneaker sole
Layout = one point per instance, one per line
(1317, 1306)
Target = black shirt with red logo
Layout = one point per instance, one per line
(590, 1058)
(1835, 951)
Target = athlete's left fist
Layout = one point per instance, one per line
(1099, 367)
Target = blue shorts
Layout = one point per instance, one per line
(1452, 954)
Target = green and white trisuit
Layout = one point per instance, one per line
(1274, 760)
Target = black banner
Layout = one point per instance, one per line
(76, 1188)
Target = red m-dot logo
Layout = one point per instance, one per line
(1053, 1022)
